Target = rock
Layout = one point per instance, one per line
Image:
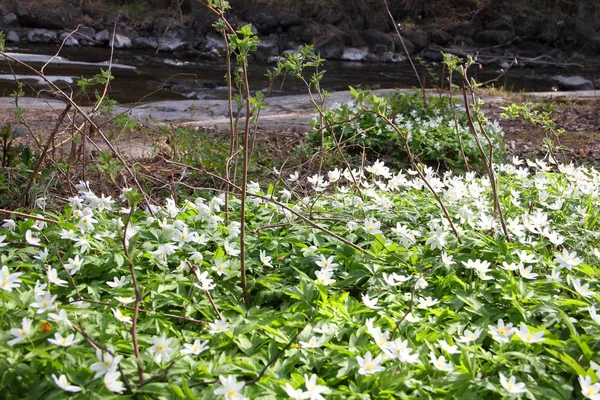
(103, 36)
(305, 33)
(528, 27)
(287, 20)
(464, 29)
(213, 43)
(331, 30)
(9, 21)
(373, 38)
(266, 49)
(380, 22)
(597, 83)
(265, 22)
(432, 55)
(142, 42)
(354, 54)
(70, 40)
(412, 49)
(41, 36)
(549, 33)
(331, 48)
(120, 42)
(573, 83)
(171, 43)
(493, 37)
(45, 18)
(386, 56)
(420, 38)
(12, 37)
(85, 33)
(504, 23)
(439, 37)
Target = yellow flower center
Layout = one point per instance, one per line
(160, 348)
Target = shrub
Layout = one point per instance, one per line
(428, 124)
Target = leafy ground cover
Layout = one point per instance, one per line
(353, 293)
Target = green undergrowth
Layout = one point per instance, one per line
(353, 295)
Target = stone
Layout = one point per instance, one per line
(170, 43)
(331, 48)
(265, 22)
(439, 37)
(463, 29)
(386, 57)
(331, 30)
(45, 18)
(70, 40)
(305, 33)
(287, 20)
(432, 56)
(504, 23)
(354, 54)
(9, 21)
(12, 37)
(103, 36)
(143, 42)
(493, 37)
(549, 33)
(528, 27)
(213, 43)
(267, 48)
(41, 36)
(399, 48)
(120, 42)
(420, 38)
(373, 38)
(573, 83)
(85, 33)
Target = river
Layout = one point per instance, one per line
(165, 77)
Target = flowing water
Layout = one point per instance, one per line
(164, 77)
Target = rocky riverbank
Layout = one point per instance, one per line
(353, 31)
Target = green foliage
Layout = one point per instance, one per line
(394, 284)
(381, 125)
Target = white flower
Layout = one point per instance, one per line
(2, 243)
(206, 283)
(371, 303)
(294, 177)
(583, 290)
(447, 260)
(567, 260)
(31, 239)
(314, 391)
(526, 336)
(9, 281)
(219, 326)
(230, 249)
(86, 222)
(123, 318)
(220, 266)
(61, 318)
(437, 240)
(502, 333)
(66, 341)
(326, 263)
(324, 277)
(313, 342)
(480, 267)
(296, 394)
(368, 365)
(74, 264)
(526, 258)
(526, 272)
(326, 329)
(372, 226)
(52, 274)
(469, 336)
(426, 302)
(112, 382)
(45, 303)
(588, 390)
(450, 349)
(399, 350)
(9, 224)
(22, 333)
(265, 259)
(230, 388)
(106, 363)
(195, 348)
(440, 363)
(160, 348)
(594, 315)
(118, 283)
(64, 384)
(511, 385)
(124, 300)
(554, 276)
